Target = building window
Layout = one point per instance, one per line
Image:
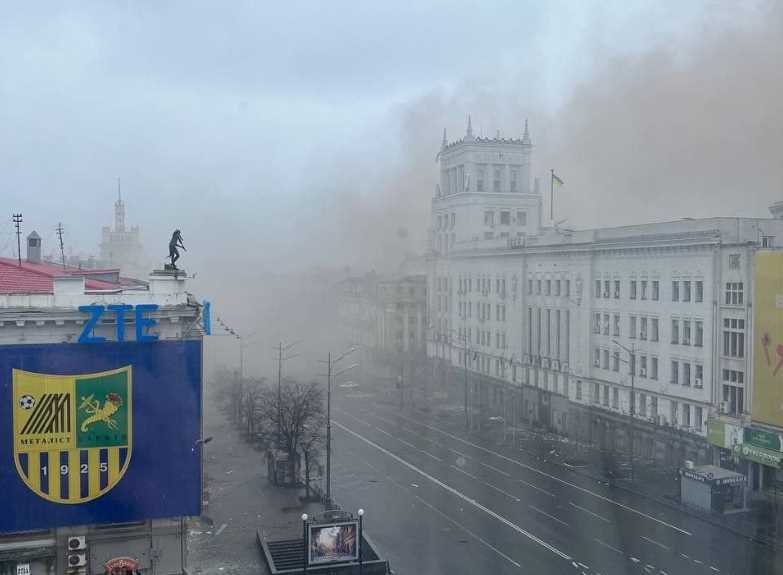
(606, 395)
(605, 363)
(686, 415)
(643, 365)
(514, 173)
(616, 328)
(615, 398)
(734, 261)
(496, 180)
(699, 379)
(538, 287)
(675, 378)
(606, 324)
(616, 361)
(686, 373)
(654, 329)
(699, 342)
(557, 287)
(579, 390)
(597, 357)
(529, 287)
(644, 289)
(686, 290)
(734, 337)
(675, 331)
(654, 407)
(633, 289)
(596, 392)
(653, 367)
(597, 288)
(698, 418)
(505, 218)
(733, 392)
(643, 328)
(548, 286)
(488, 235)
(480, 179)
(767, 241)
(734, 293)
(632, 327)
(656, 290)
(616, 289)
(675, 290)
(673, 417)
(686, 332)
(643, 405)
(489, 218)
(699, 292)
(606, 288)
(521, 218)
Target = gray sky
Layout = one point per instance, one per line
(305, 132)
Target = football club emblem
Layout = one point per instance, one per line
(72, 433)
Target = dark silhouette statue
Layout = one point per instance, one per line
(176, 242)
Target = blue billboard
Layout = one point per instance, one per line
(104, 433)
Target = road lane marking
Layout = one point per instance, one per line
(382, 431)
(542, 512)
(550, 476)
(457, 493)
(654, 542)
(715, 569)
(498, 489)
(601, 517)
(541, 489)
(222, 528)
(605, 544)
(493, 468)
(435, 509)
(427, 453)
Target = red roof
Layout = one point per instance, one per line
(39, 277)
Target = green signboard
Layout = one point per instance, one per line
(764, 439)
(759, 455)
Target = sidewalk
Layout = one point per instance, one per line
(223, 541)
(651, 480)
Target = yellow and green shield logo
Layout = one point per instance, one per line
(72, 433)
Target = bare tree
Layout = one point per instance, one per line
(297, 419)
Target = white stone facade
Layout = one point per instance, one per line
(561, 310)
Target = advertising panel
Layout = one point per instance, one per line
(103, 433)
(768, 339)
(333, 542)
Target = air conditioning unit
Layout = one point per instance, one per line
(597, 362)
(77, 543)
(555, 364)
(616, 294)
(78, 559)
(643, 372)
(688, 464)
(724, 406)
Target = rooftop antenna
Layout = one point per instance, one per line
(60, 235)
(17, 219)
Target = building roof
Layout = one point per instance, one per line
(39, 277)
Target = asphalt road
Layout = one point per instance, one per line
(440, 501)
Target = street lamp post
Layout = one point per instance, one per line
(304, 543)
(361, 523)
(632, 366)
(280, 359)
(329, 375)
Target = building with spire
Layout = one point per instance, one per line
(121, 247)
(638, 339)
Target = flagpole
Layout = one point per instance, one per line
(552, 195)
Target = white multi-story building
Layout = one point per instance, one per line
(586, 328)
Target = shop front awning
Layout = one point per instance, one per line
(713, 475)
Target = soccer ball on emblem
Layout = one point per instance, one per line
(26, 401)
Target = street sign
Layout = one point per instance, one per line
(22, 569)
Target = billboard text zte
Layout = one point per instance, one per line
(99, 434)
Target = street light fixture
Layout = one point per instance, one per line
(329, 375)
(632, 366)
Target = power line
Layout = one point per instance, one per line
(17, 219)
(60, 235)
